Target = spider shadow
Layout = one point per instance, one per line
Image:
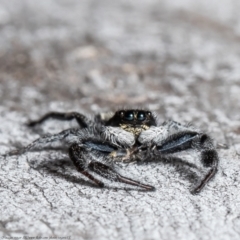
(185, 169)
(57, 168)
(60, 168)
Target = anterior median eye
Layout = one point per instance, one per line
(141, 116)
(129, 116)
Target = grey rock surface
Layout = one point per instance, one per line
(178, 58)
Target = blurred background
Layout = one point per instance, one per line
(179, 58)
(95, 55)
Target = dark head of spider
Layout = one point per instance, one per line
(134, 118)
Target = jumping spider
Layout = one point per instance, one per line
(126, 135)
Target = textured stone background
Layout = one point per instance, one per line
(180, 59)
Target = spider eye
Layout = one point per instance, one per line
(121, 114)
(129, 116)
(141, 116)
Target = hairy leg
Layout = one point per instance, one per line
(172, 137)
(84, 161)
(76, 155)
(58, 141)
(201, 142)
(82, 120)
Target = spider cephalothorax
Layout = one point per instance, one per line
(126, 135)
